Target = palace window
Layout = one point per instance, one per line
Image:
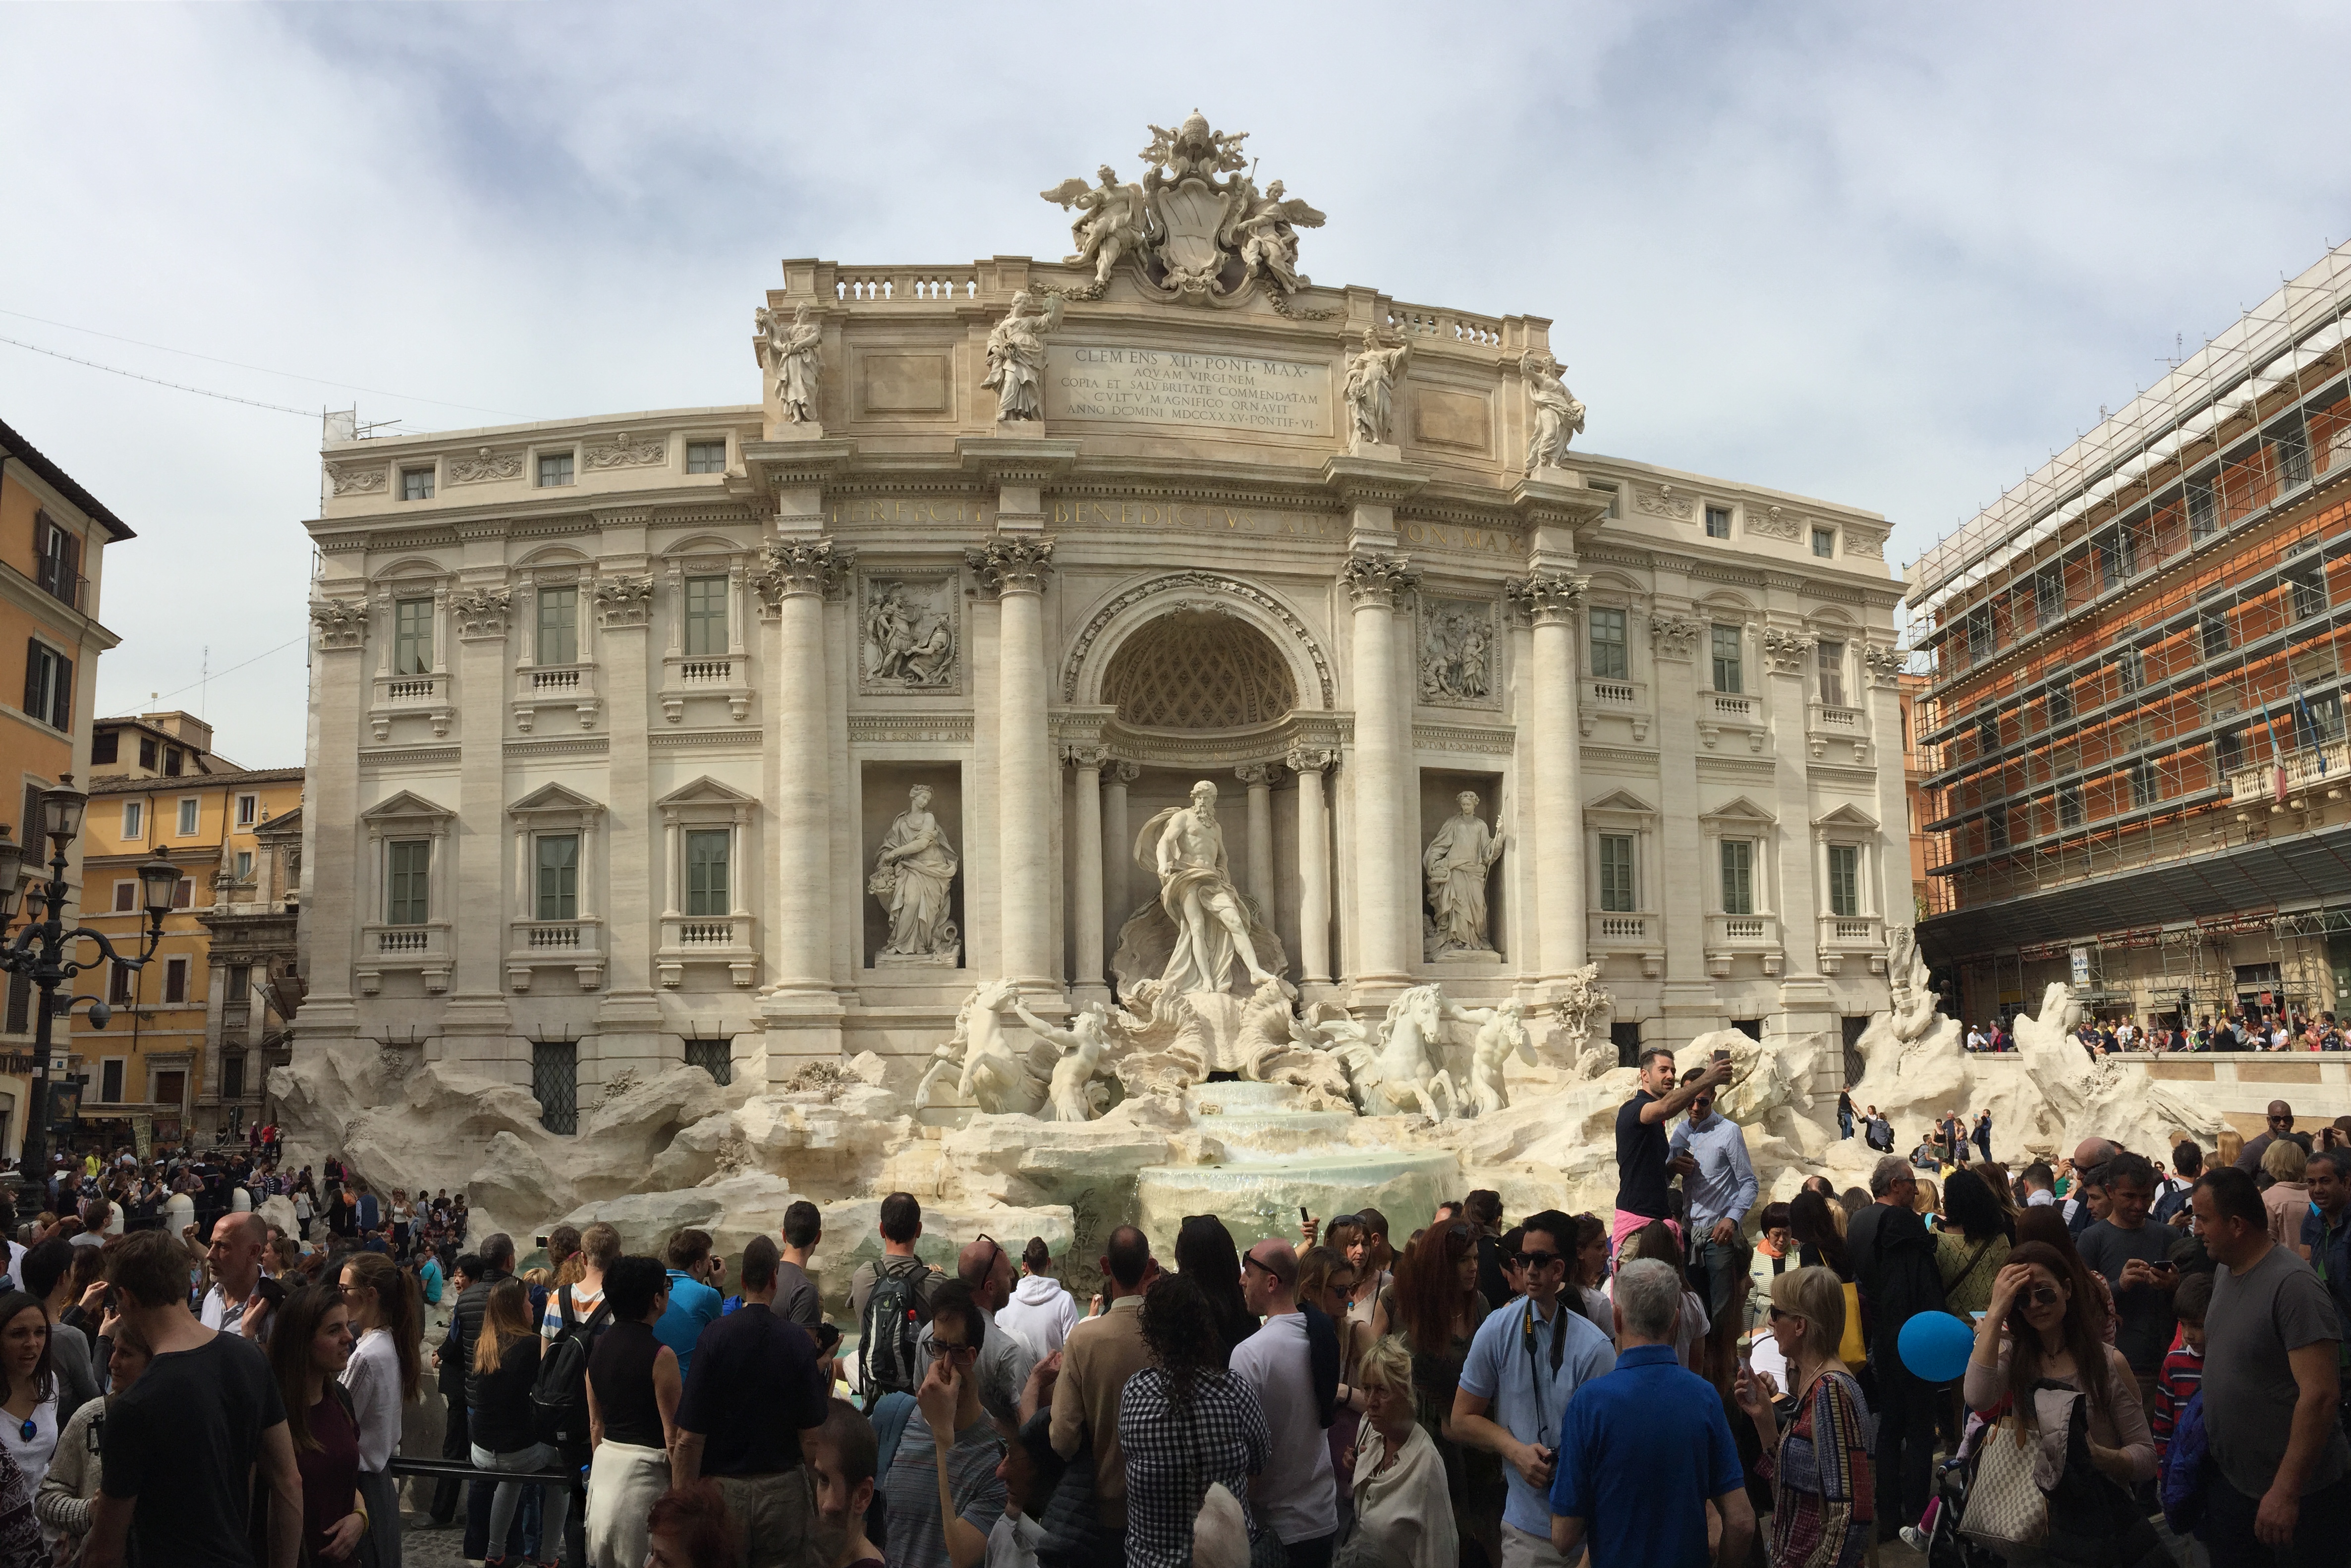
(1718, 522)
(1825, 543)
(1737, 876)
(57, 562)
(554, 468)
(1844, 880)
(706, 852)
(705, 616)
(555, 1083)
(175, 979)
(1619, 890)
(1831, 656)
(408, 882)
(1729, 674)
(416, 483)
(706, 457)
(1608, 655)
(49, 685)
(412, 637)
(559, 876)
(715, 1057)
(559, 625)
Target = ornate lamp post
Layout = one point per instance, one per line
(43, 950)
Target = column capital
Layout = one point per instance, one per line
(1883, 665)
(1309, 759)
(790, 569)
(1786, 652)
(1674, 637)
(1086, 756)
(1259, 774)
(623, 601)
(1012, 564)
(1379, 581)
(343, 623)
(1547, 597)
(1121, 773)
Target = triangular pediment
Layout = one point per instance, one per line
(1621, 800)
(706, 792)
(554, 798)
(407, 803)
(1741, 810)
(1847, 815)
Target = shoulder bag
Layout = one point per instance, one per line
(2005, 1507)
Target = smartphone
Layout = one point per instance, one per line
(1304, 1218)
(542, 1243)
(1722, 1056)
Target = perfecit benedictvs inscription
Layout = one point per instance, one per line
(1228, 392)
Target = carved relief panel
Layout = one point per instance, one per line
(1454, 653)
(910, 632)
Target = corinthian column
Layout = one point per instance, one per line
(1313, 865)
(794, 578)
(1258, 777)
(1383, 902)
(1016, 566)
(1550, 599)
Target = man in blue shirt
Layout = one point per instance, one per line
(1527, 1361)
(1644, 1448)
(692, 1298)
(1721, 1189)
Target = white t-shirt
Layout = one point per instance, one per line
(1013, 1543)
(33, 1455)
(1299, 1499)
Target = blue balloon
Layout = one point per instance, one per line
(1935, 1346)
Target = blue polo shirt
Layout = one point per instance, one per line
(692, 1307)
(1624, 1461)
(1510, 1366)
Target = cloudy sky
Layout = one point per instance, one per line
(1887, 255)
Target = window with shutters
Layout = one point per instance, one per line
(147, 752)
(57, 567)
(705, 616)
(233, 1075)
(559, 625)
(412, 637)
(705, 871)
(1844, 880)
(109, 1081)
(248, 810)
(184, 896)
(555, 1083)
(175, 981)
(1619, 889)
(1831, 669)
(121, 985)
(559, 876)
(1729, 672)
(408, 877)
(171, 762)
(1718, 522)
(1979, 637)
(105, 748)
(1825, 543)
(1608, 655)
(126, 898)
(715, 1057)
(135, 820)
(49, 685)
(190, 809)
(1737, 876)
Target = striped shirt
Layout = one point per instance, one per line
(2175, 1386)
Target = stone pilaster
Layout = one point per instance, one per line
(1015, 568)
(628, 1016)
(1313, 865)
(332, 916)
(1384, 901)
(1550, 599)
(1259, 778)
(1118, 848)
(1680, 877)
(477, 1025)
(1086, 940)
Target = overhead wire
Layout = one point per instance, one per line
(158, 381)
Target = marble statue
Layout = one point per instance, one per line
(1196, 889)
(1263, 227)
(1501, 1035)
(1913, 997)
(1456, 864)
(989, 1071)
(1072, 1095)
(1110, 221)
(1581, 1002)
(912, 876)
(1372, 377)
(1559, 416)
(1401, 1069)
(796, 360)
(1016, 357)
(907, 640)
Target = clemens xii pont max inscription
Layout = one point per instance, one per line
(1228, 392)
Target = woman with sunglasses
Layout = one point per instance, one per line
(2041, 1330)
(29, 1433)
(1823, 1513)
(309, 1345)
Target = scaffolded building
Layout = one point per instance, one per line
(2138, 767)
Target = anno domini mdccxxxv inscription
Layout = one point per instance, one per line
(1228, 392)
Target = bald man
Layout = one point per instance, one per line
(1006, 1355)
(1295, 1497)
(235, 1263)
(2281, 1125)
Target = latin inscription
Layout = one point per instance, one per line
(1213, 517)
(867, 510)
(1159, 386)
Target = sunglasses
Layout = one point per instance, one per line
(2043, 1295)
(941, 1350)
(1540, 1259)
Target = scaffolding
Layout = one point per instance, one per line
(2145, 630)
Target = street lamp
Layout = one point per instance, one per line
(43, 951)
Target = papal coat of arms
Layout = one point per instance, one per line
(1196, 229)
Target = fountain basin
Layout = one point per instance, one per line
(1262, 1198)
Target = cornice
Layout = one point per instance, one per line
(1371, 481)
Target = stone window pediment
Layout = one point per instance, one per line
(555, 805)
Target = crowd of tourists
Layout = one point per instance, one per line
(1693, 1376)
(2251, 1029)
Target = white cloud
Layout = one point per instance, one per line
(1886, 256)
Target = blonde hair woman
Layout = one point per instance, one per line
(2286, 1198)
(1404, 1510)
(1822, 1512)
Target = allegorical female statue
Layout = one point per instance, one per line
(912, 876)
(1456, 864)
(795, 359)
(1016, 356)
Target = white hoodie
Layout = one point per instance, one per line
(1041, 1309)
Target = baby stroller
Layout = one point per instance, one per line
(1944, 1546)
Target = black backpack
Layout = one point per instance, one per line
(559, 1395)
(889, 1358)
